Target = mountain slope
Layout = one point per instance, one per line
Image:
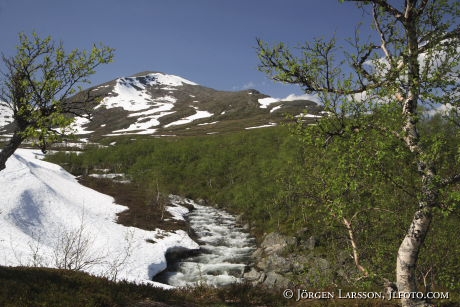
(155, 103)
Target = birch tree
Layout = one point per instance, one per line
(384, 84)
(36, 85)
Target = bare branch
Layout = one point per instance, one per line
(351, 236)
(422, 7)
(385, 5)
(382, 34)
(359, 67)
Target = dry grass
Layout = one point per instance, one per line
(143, 212)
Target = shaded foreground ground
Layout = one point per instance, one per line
(51, 287)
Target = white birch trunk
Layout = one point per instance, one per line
(407, 258)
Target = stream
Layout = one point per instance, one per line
(225, 251)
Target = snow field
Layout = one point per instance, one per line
(47, 216)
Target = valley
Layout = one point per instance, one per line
(149, 129)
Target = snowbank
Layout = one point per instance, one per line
(48, 219)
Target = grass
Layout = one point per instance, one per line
(51, 287)
(144, 212)
(25, 287)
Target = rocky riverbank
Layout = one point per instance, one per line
(286, 261)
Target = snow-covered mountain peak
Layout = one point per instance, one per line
(135, 93)
(155, 79)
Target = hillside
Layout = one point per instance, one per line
(153, 103)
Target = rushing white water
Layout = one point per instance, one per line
(225, 251)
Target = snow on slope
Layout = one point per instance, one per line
(131, 92)
(43, 207)
(6, 115)
(198, 115)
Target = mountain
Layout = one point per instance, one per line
(156, 103)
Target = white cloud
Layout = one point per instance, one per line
(265, 102)
(441, 109)
(310, 97)
(248, 85)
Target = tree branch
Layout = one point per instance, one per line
(385, 5)
(422, 7)
(451, 180)
(382, 34)
(454, 34)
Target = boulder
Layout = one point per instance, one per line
(255, 277)
(283, 260)
(274, 262)
(275, 242)
(275, 280)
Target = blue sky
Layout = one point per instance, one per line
(210, 42)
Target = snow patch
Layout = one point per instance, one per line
(265, 102)
(308, 116)
(131, 93)
(262, 126)
(6, 115)
(77, 126)
(42, 205)
(171, 80)
(191, 118)
(276, 108)
(211, 123)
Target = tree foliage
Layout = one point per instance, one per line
(277, 183)
(37, 83)
(376, 92)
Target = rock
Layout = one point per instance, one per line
(321, 264)
(258, 253)
(280, 260)
(302, 234)
(305, 240)
(275, 242)
(201, 202)
(311, 242)
(300, 263)
(319, 272)
(254, 276)
(275, 263)
(275, 280)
